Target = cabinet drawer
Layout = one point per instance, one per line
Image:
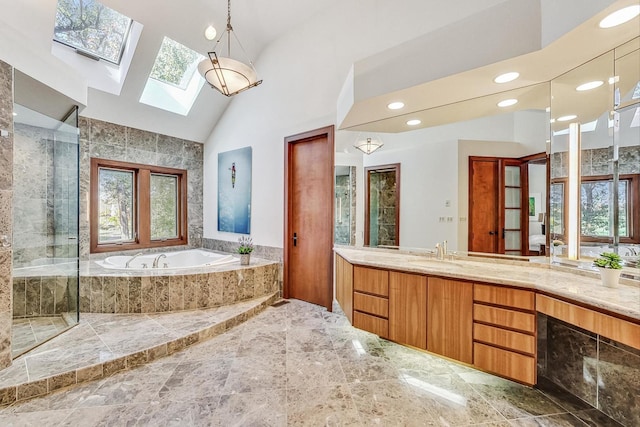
(504, 317)
(372, 324)
(371, 281)
(505, 363)
(509, 339)
(371, 304)
(504, 296)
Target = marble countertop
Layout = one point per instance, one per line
(580, 286)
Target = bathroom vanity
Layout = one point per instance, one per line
(482, 313)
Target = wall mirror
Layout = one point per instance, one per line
(434, 195)
(595, 157)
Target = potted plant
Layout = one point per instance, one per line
(609, 264)
(245, 249)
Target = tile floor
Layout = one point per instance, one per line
(298, 364)
(27, 333)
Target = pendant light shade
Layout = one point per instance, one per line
(227, 75)
(368, 145)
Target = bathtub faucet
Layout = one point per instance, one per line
(132, 258)
(155, 261)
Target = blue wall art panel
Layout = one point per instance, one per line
(234, 191)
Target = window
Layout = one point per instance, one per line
(596, 201)
(173, 84)
(596, 208)
(91, 27)
(136, 206)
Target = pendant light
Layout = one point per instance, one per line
(227, 75)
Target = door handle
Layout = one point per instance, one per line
(295, 239)
(503, 233)
(493, 233)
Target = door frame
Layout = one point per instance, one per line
(289, 141)
(367, 195)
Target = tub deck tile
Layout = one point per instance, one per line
(103, 344)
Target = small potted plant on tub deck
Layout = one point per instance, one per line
(245, 249)
(610, 266)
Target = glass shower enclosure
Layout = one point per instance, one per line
(45, 227)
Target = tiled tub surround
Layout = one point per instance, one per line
(110, 141)
(43, 292)
(102, 345)
(601, 372)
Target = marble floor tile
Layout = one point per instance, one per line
(560, 420)
(266, 408)
(511, 399)
(256, 373)
(450, 401)
(116, 415)
(197, 379)
(320, 368)
(256, 343)
(296, 365)
(332, 405)
(389, 402)
(308, 340)
(35, 419)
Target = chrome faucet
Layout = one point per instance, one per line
(158, 258)
(132, 258)
(441, 250)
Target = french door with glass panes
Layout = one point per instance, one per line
(496, 189)
(511, 209)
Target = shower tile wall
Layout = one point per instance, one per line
(114, 142)
(601, 372)
(383, 194)
(345, 231)
(6, 196)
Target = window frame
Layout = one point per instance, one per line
(141, 206)
(123, 45)
(633, 207)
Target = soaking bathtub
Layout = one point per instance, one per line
(191, 258)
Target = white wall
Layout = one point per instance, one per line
(303, 73)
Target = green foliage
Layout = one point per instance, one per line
(172, 62)
(246, 245)
(164, 206)
(116, 205)
(91, 26)
(609, 260)
(596, 199)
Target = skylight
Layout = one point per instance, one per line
(91, 27)
(173, 84)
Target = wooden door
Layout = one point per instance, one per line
(484, 213)
(408, 309)
(308, 245)
(450, 318)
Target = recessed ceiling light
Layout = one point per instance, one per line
(507, 102)
(590, 85)
(395, 105)
(210, 33)
(567, 118)
(414, 122)
(507, 77)
(15, 114)
(614, 80)
(548, 109)
(621, 16)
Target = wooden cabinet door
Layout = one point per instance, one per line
(450, 318)
(344, 286)
(408, 309)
